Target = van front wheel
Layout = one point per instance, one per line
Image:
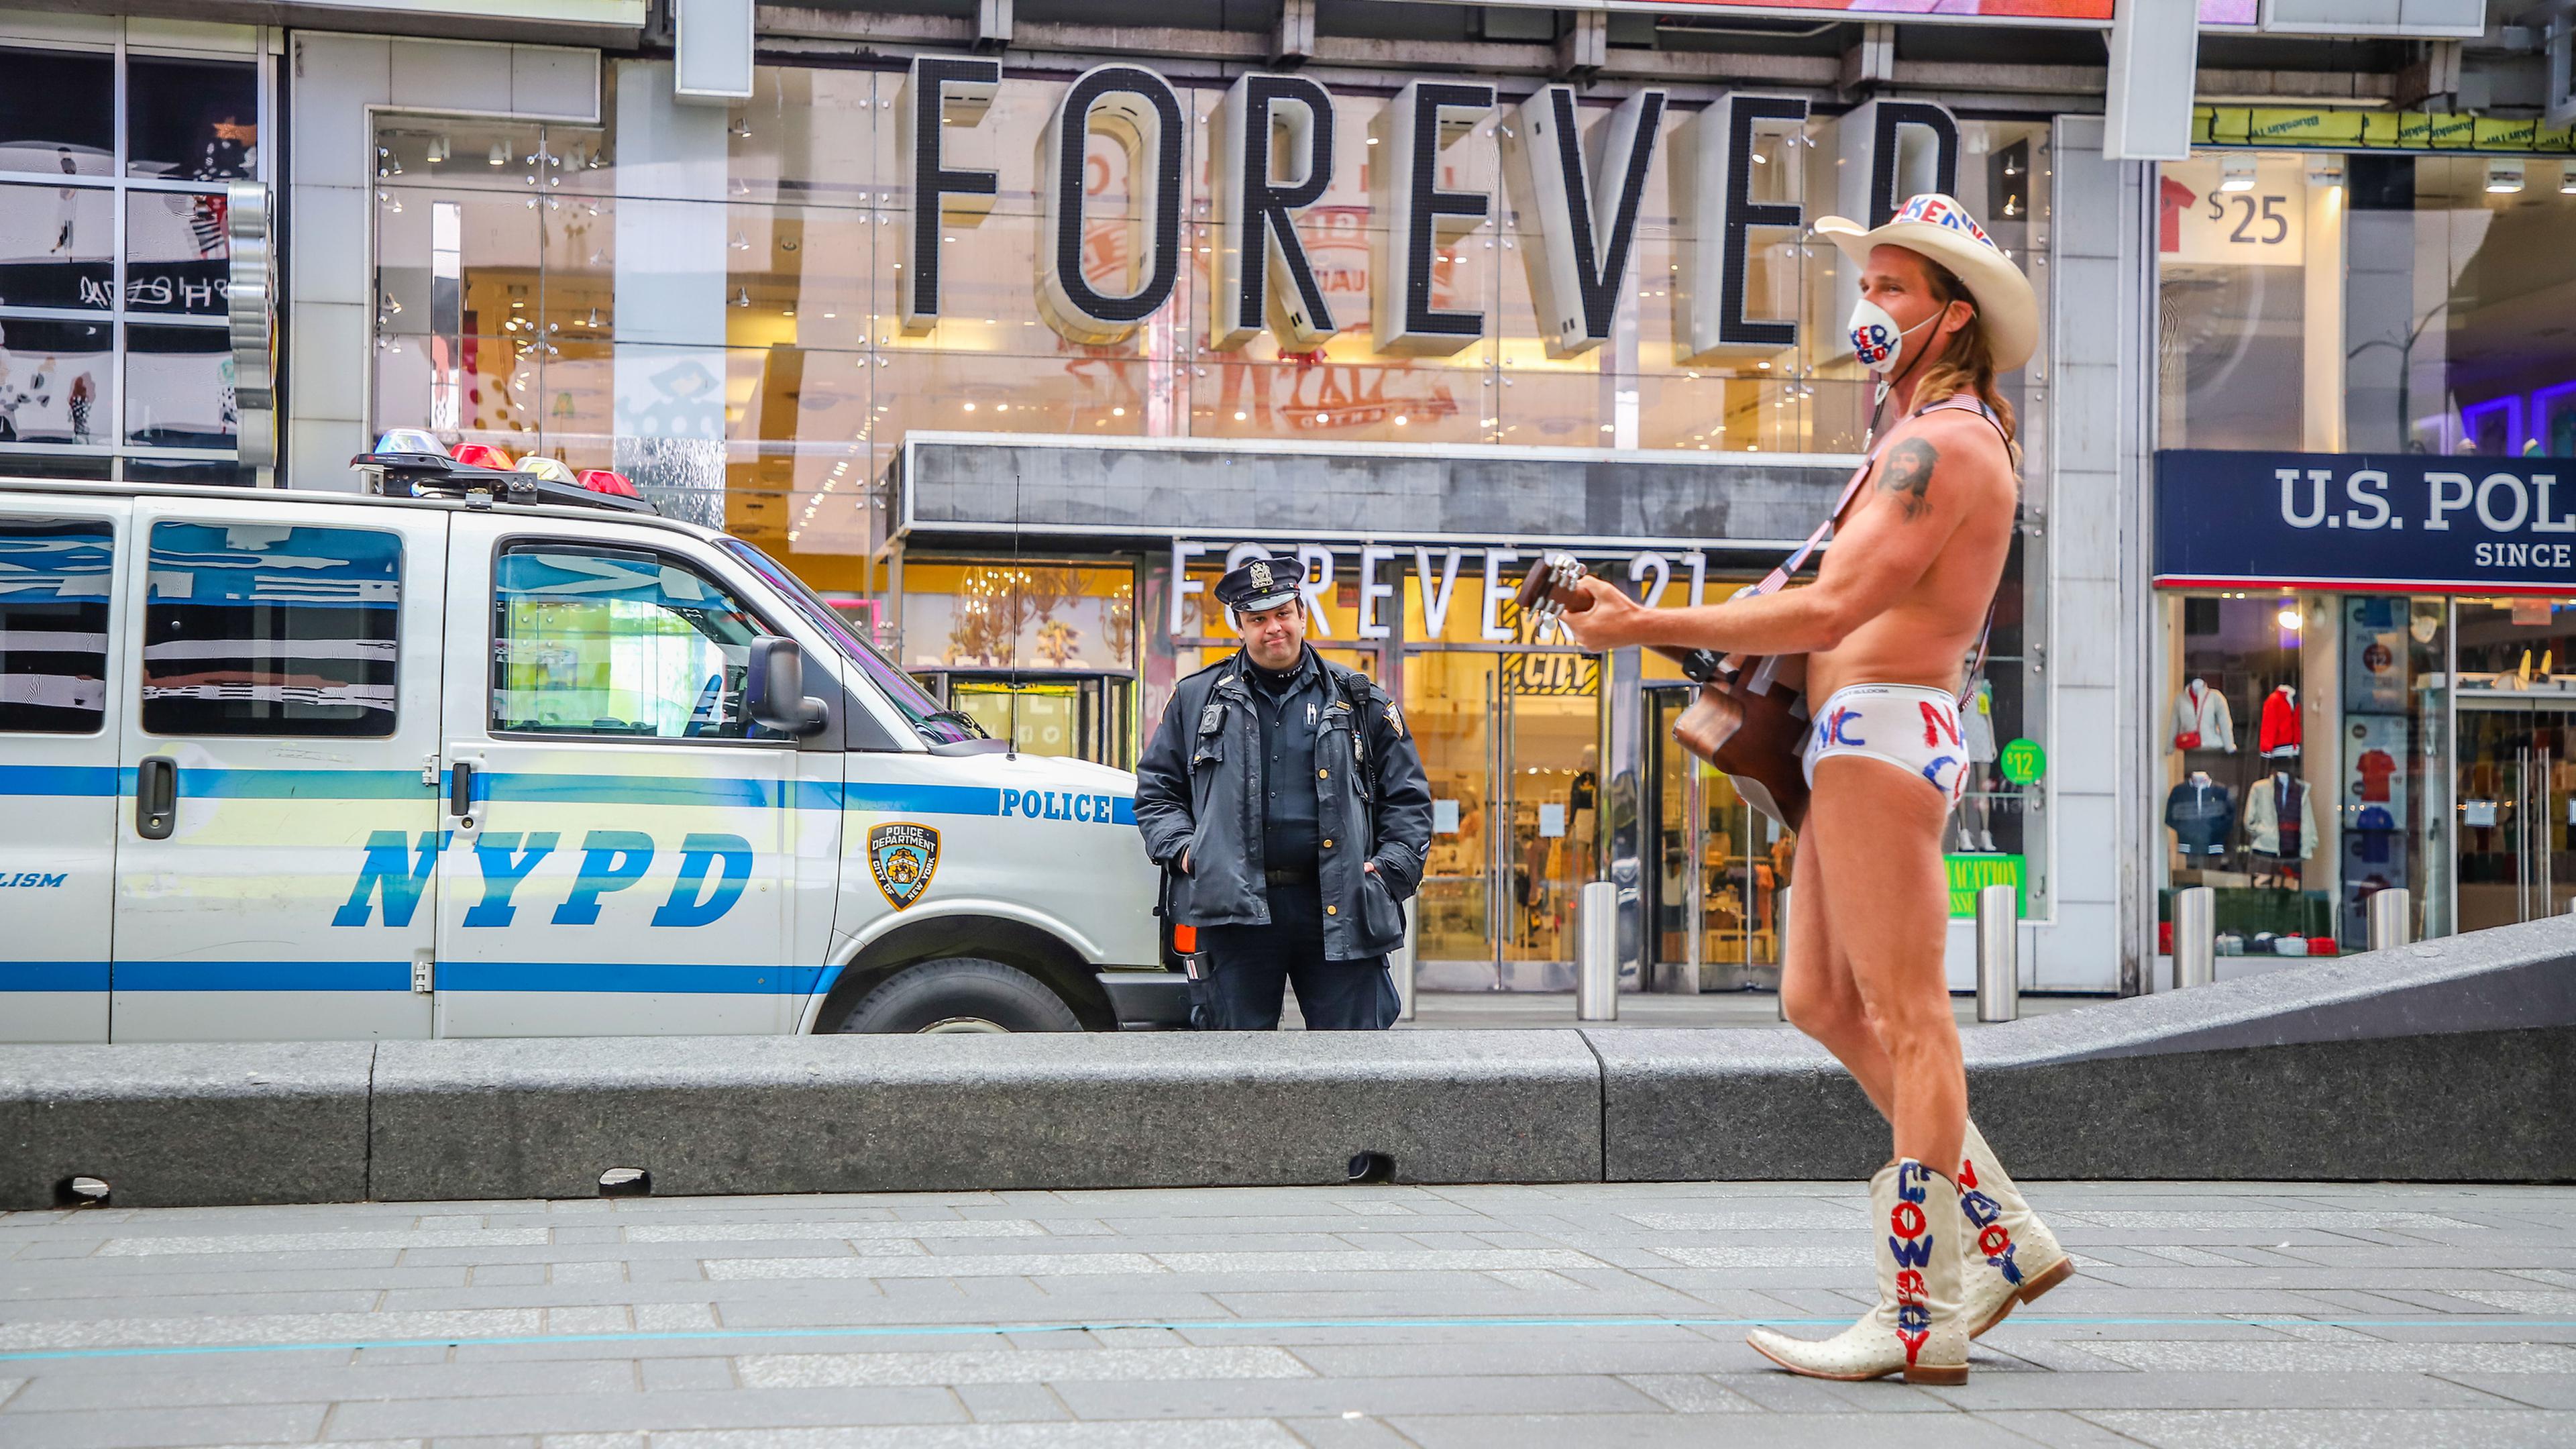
(960, 994)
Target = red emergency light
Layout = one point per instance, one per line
(601, 480)
(480, 455)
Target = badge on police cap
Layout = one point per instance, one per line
(1262, 583)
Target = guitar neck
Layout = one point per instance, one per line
(1698, 665)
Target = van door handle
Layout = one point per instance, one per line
(460, 789)
(156, 797)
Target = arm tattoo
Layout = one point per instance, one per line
(1908, 475)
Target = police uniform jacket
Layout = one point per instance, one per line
(1198, 789)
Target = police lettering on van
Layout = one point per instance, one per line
(493, 751)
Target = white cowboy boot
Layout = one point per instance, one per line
(1915, 1328)
(2012, 1256)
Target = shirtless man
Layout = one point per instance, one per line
(1897, 607)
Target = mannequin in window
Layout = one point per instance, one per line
(2201, 720)
(2280, 827)
(2279, 737)
(2199, 812)
(1974, 821)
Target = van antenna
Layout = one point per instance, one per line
(1019, 586)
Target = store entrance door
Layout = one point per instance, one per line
(1717, 867)
(1510, 743)
(2517, 802)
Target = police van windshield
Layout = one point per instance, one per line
(936, 725)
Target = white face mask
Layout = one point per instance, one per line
(1876, 339)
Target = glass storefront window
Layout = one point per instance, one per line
(2367, 303)
(57, 247)
(750, 261)
(58, 117)
(103, 398)
(2302, 737)
(1018, 615)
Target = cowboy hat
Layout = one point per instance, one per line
(1940, 228)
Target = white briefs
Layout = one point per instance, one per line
(1908, 726)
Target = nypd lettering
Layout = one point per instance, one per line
(394, 872)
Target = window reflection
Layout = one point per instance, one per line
(57, 247)
(271, 631)
(2446, 305)
(191, 119)
(58, 112)
(56, 382)
(179, 387)
(178, 257)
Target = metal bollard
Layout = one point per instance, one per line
(1400, 964)
(2392, 918)
(1780, 937)
(1596, 953)
(2195, 923)
(1998, 953)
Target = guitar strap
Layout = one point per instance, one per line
(1778, 578)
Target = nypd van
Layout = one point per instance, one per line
(489, 752)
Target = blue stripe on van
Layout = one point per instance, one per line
(673, 978)
(620, 976)
(53, 976)
(549, 788)
(58, 780)
(922, 799)
(262, 976)
(536, 788)
(205, 781)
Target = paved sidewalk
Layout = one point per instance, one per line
(1481, 1317)
(1760, 1010)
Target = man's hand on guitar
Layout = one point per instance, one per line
(1613, 621)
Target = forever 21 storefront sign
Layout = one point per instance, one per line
(2363, 520)
(1272, 157)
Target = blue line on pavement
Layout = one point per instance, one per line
(1214, 1325)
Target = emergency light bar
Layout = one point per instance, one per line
(408, 463)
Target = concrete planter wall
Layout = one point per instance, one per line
(2452, 1060)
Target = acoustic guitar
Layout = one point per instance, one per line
(1750, 720)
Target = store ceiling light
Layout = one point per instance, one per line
(2289, 617)
(2236, 172)
(2325, 171)
(437, 149)
(2567, 180)
(500, 155)
(2504, 175)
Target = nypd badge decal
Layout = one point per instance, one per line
(903, 856)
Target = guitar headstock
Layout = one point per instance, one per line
(1549, 591)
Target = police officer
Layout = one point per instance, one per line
(1286, 804)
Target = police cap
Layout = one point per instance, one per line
(1263, 583)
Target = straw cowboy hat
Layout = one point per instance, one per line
(1940, 228)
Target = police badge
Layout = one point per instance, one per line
(1260, 574)
(903, 855)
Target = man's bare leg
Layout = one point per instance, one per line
(1877, 833)
(1817, 993)
(1820, 997)
(1864, 976)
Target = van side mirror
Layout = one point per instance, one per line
(774, 688)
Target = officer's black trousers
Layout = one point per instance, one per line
(1255, 964)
